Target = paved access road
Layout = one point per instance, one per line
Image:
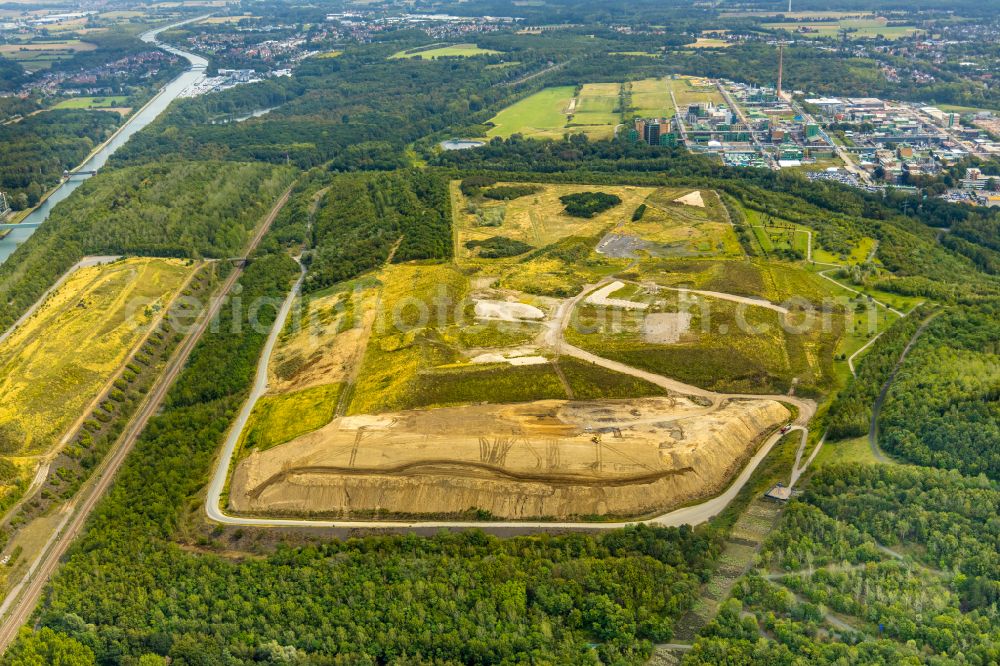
(554, 338)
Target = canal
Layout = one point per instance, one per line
(139, 120)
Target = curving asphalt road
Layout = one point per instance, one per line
(23, 597)
(218, 482)
(553, 336)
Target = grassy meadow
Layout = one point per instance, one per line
(57, 363)
(444, 51)
(277, 419)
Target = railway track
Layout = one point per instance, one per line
(22, 599)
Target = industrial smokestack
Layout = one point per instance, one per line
(781, 62)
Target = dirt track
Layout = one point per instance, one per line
(554, 338)
(877, 407)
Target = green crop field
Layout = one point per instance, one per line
(709, 43)
(542, 115)
(553, 112)
(866, 28)
(651, 98)
(637, 54)
(447, 51)
(113, 101)
(597, 105)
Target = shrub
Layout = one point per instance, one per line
(508, 192)
(497, 247)
(588, 204)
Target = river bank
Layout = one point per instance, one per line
(100, 155)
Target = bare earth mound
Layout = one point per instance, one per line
(549, 458)
(691, 199)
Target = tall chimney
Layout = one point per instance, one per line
(781, 58)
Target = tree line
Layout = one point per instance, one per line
(179, 209)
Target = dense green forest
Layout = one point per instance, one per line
(179, 209)
(360, 112)
(943, 409)
(851, 412)
(588, 204)
(833, 587)
(148, 580)
(38, 148)
(127, 591)
(365, 218)
(12, 75)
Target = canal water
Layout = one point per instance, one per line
(140, 120)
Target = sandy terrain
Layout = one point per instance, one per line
(522, 356)
(507, 311)
(321, 348)
(600, 297)
(692, 199)
(548, 458)
(665, 328)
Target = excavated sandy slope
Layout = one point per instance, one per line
(550, 458)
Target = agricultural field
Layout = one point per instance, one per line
(650, 98)
(57, 363)
(113, 103)
(594, 110)
(709, 43)
(857, 27)
(444, 51)
(38, 54)
(691, 90)
(539, 116)
(966, 109)
(637, 54)
(800, 16)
